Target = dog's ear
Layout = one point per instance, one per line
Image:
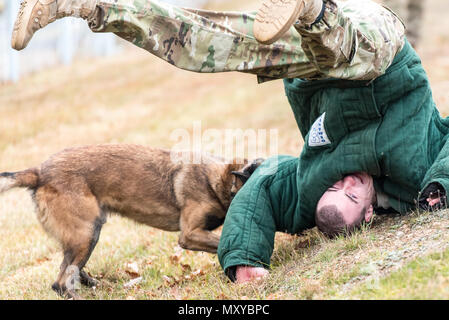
(248, 170)
(243, 176)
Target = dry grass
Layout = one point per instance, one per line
(135, 98)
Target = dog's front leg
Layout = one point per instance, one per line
(88, 280)
(195, 225)
(199, 240)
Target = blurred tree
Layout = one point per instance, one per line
(411, 12)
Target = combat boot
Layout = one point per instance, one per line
(275, 17)
(36, 14)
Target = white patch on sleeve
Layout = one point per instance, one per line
(156, 45)
(317, 135)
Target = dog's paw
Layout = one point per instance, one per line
(87, 280)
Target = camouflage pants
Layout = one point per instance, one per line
(411, 11)
(355, 40)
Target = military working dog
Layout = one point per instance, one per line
(75, 189)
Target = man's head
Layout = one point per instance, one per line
(345, 205)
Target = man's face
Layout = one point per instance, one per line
(354, 193)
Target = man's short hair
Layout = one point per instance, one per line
(331, 222)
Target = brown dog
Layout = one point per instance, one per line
(76, 188)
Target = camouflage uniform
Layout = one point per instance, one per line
(355, 40)
(411, 11)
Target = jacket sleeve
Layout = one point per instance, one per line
(262, 207)
(436, 180)
(249, 228)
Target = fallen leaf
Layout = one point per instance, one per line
(167, 280)
(198, 272)
(171, 281)
(150, 294)
(222, 296)
(132, 269)
(186, 267)
(41, 260)
(175, 258)
(133, 282)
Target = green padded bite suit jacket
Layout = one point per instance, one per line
(388, 127)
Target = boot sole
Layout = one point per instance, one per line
(274, 18)
(18, 36)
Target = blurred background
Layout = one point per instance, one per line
(62, 42)
(73, 87)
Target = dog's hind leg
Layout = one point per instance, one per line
(76, 255)
(76, 222)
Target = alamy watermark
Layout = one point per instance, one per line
(231, 145)
(72, 281)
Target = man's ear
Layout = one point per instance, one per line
(369, 213)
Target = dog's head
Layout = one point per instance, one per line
(242, 175)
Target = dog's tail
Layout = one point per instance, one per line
(23, 179)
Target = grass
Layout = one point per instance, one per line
(135, 98)
(424, 278)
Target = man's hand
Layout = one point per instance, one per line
(433, 198)
(247, 273)
(433, 201)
